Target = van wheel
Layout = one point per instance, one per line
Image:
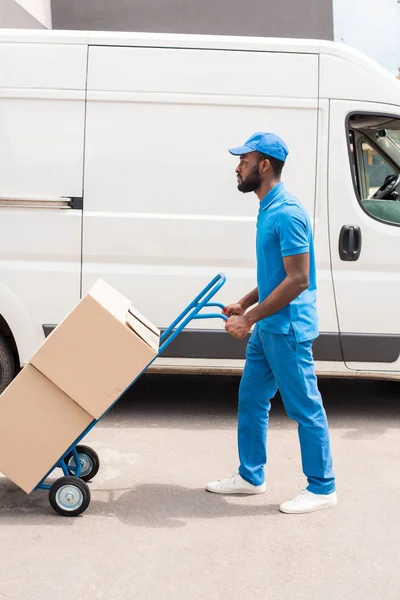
(7, 364)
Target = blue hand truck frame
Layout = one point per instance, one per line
(70, 495)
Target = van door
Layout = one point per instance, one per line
(364, 216)
(42, 109)
(162, 210)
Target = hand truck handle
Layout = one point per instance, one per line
(193, 309)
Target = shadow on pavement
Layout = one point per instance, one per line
(171, 506)
(142, 506)
(19, 508)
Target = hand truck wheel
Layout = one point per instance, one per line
(69, 496)
(90, 462)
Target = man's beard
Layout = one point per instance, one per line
(251, 183)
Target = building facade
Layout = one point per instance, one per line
(286, 18)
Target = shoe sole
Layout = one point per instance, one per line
(303, 512)
(247, 492)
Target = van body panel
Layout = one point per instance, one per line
(42, 120)
(187, 71)
(353, 76)
(40, 67)
(163, 213)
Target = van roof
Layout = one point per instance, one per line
(171, 40)
(335, 83)
(175, 40)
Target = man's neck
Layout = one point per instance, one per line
(266, 187)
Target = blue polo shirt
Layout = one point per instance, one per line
(284, 229)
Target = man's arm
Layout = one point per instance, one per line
(249, 300)
(297, 269)
(239, 308)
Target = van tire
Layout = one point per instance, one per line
(7, 364)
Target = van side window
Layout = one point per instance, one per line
(375, 164)
(376, 169)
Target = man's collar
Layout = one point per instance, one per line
(272, 195)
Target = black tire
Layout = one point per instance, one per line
(90, 460)
(7, 364)
(69, 496)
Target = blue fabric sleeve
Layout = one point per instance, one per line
(293, 230)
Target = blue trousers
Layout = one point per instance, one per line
(277, 361)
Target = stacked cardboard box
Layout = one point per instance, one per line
(80, 370)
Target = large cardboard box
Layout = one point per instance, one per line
(98, 350)
(38, 423)
(80, 370)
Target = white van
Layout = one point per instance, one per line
(114, 164)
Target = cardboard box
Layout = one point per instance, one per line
(80, 370)
(98, 350)
(38, 423)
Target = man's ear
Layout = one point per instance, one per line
(265, 165)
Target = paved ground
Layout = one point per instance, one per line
(153, 533)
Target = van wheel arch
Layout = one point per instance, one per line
(9, 359)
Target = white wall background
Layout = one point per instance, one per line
(25, 14)
(40, 9)
(372, 26)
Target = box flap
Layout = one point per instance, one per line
(149, 336)
(143, 320)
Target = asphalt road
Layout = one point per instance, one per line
(153, 533)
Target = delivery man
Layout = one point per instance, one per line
(279, 352)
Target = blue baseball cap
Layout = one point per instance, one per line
(267, 143)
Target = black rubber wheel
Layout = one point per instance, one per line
(69, 496)
(7, 364)
(89, 460)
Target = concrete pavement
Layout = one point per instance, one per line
(153, 533)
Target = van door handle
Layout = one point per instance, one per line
(350, 241)
(74, 202)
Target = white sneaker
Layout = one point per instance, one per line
(308, 502)
(235, 485)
